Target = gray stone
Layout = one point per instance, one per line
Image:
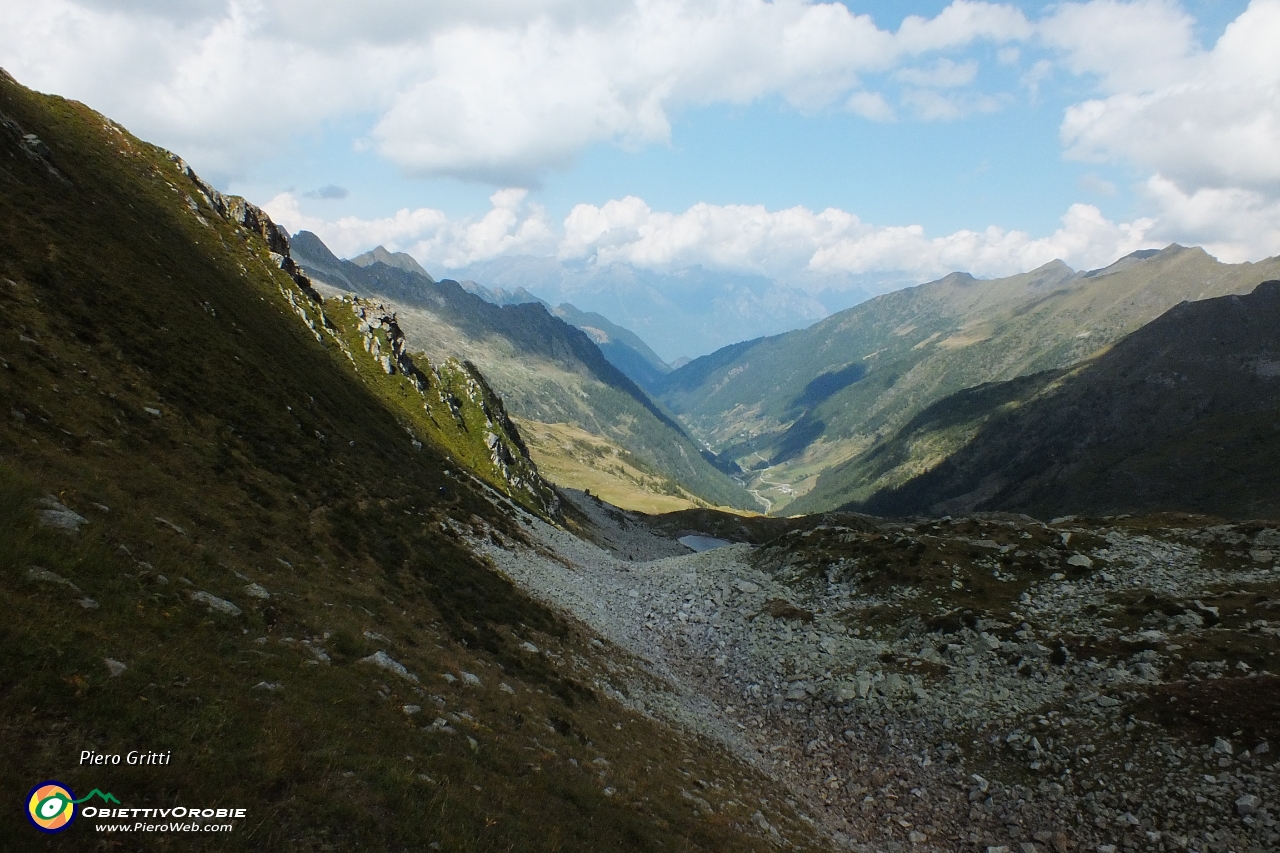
(57, 516)
(1080, 560)
(114, 667)
(169, 524)
(412, 709)
(1248, 804)
(382, 660)
(36, 573)
(470, 678)
(254, 590)
(219, 604)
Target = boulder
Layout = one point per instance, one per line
(219, 604)
(382, 660)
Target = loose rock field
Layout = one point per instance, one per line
(982, 683)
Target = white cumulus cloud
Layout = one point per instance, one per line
(511, 226)
(809, 249)
(496, 90)
(1205, 123)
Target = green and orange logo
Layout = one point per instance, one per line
(51, 805)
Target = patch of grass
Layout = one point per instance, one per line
(935, 576)
(577, 459)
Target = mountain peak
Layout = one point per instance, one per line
(311, 245)
(398, 260)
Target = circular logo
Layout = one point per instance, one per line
(51, 806)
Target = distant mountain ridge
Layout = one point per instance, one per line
(1181, 415)
(499, 295)
(803, 409)
(624, 348)
(545, 369)
(687, 311)
(398, 260)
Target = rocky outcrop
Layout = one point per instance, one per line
(31, 146)
(252, 218)
(384, 340)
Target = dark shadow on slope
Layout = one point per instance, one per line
(1181, 415)
(826, 385)
(798, 437)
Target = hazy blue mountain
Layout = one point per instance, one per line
(500, 295)
(687, 312)
(623, 347)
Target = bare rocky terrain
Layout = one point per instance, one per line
(985, 683)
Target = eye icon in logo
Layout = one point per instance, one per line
(51, 806)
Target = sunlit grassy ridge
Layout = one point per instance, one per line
(157, 380)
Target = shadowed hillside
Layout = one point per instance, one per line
(1183, 414)
(236, 526)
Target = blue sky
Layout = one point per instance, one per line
(1005, 167)
(799, 140)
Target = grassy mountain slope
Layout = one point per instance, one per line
(803, 409)
(586, 461)
(545, 369)
(199, 485)
(1183, 414)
